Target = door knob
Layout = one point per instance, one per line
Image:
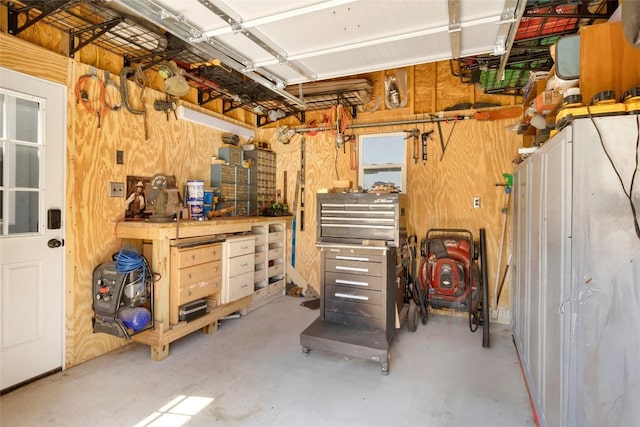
(55, 243)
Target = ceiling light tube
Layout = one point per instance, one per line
(194, 116)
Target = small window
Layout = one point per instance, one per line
(382, 162)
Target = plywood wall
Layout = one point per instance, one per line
(440, 192)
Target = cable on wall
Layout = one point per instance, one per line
(628, 194)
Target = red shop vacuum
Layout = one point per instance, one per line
(450, 277)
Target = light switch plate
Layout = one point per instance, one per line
(116, 189)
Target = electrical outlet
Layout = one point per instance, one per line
(116, 189)
(476, 202)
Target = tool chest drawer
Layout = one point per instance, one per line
(353, 255)
(353, 280)
(350, 294)
(358, 286)
(353, 267)
(365, 311)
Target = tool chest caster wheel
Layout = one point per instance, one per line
(385, 368)
(305, 350)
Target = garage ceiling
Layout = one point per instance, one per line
(290, 42)
(262, 55)
(306, 40)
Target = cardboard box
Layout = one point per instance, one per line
(547, 101)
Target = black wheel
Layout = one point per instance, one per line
(485, 290)
(412, 317)
(384, 370)
(424, 313)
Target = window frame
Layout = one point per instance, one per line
(362, 140)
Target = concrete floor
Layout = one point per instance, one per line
(252, 373)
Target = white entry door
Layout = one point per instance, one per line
(32, 178)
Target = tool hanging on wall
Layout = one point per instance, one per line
(302, 155)
(353, 154)
(414, 133)
(124, 74)
(424, 136)
(395, 88)
(167, 106)
(505, 213)
(442, 147)
(90, 93)
(107, 84)
(295, 219)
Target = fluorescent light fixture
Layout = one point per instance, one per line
(213, 122)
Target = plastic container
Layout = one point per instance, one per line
(134, 318)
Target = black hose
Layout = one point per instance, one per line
(485, 289)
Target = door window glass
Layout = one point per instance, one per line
(21, 151)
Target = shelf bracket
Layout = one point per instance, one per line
(156, 58)
(69, 45)
(206, 96)
(13, 13)
(262, 119)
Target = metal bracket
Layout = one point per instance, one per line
(229, 105)
(155, 57)
(69, 39)
(205, 96)
(262, 119)
(45, 9)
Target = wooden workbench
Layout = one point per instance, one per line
(162, 236)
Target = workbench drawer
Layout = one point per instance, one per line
(239, 247)
(240, 286)
(199, 255)
(241, 264)
(349, 266)
(200, 272)
(353, 295)
(200, 289)
(353, 280)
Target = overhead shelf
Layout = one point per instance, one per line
(542, 25)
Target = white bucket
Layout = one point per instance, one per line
(195, 190)
(196, 209)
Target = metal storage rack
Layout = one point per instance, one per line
(262, 179)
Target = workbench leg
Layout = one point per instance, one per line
(211, 328)
(159, 352)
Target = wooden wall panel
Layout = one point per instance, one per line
(440, 193)
(425, 88)
(24, 57)
(174, 147)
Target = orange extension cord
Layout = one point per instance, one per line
(97, 105)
